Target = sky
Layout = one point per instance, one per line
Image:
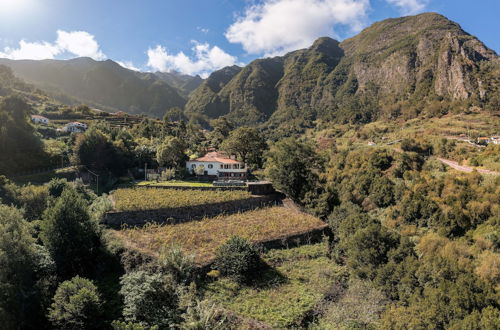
(200, 36)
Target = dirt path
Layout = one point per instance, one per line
(464, 168)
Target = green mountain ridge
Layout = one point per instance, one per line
(102, 84)
(399, 67)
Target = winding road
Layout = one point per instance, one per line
(465, 168)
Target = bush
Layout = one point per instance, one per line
(175, 263)
(77, 305)
(237, 259)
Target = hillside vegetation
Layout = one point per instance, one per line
(402, 67)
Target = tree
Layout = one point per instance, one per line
(149, 299)
(69, 234)
(291, 166)
(247, 144)
(171, 153)
(367, 249)
(237, 259)
(174, 114)
(76, 305)
(83, 109)
(221, 128)
(20, 147)
(25, 273)
(94, 150)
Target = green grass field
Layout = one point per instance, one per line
(295, 282)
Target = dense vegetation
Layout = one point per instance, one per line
(411, 243)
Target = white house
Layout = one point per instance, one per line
(495, 139)
(75, 127)
(39, 119)
(219, 165)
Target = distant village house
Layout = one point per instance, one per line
(218, 165)
(75, 127)
(39, 119)
(495, 139)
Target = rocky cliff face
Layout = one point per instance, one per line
(395, 67)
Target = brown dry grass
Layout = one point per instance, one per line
(202, 238)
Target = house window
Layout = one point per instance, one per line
(221, 166)
(235, 166)
(242, 166)
(210, 166)
(193, 166)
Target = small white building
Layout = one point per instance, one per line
(39, 119)
(219, 165)
(495, 139)
(75, 127)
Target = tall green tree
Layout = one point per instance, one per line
(20, 147)
(292, 167)
(94, 150)
(247, 144)
(171, 153)
(69, 234)
(25, 273)
(149, 299)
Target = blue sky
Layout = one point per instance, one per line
(199, 36)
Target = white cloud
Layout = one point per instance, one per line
(31, 50)
(128, 65)
(204, 30)
(274, 27)
(205, 60)
(409, 7)
(78, 43)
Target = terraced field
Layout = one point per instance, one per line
(203, 237)
(135, 199)
(295, 282)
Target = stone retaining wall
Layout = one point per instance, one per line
(183, 214)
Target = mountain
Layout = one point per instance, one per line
(102, 84)
(184, 83)
(403, 67)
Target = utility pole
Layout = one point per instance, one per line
(146, 171)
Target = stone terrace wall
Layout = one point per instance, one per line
(182, 214)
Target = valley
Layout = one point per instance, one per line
(346, 185)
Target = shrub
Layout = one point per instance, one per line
(180, 266)
(237, 259)
(77, 305)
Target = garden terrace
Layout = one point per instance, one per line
(202, 238)
(281, 296)
(136, 199)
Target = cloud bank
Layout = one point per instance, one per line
(205, 59)
(410, 7)
(78, 43)
(274, 27)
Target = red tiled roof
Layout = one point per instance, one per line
(215, 156)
